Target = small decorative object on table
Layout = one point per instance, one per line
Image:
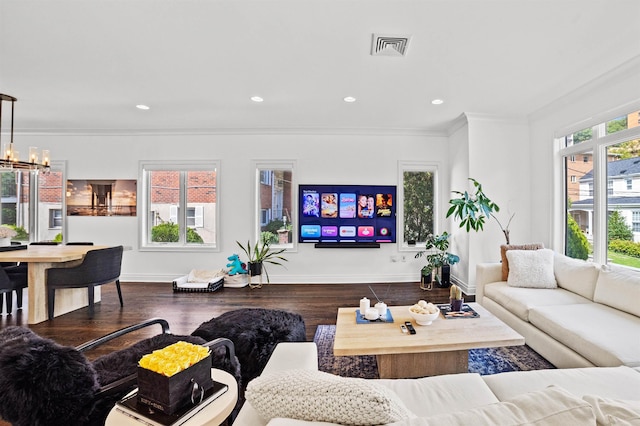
(171, 378)
(424, 313)
(455, 297)
(466, 311)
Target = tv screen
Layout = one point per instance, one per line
(347, 214)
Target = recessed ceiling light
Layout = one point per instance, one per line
(257, 99)
(349, 99)
(437, 102)
(144, 107)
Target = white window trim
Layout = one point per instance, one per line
(416, 166)
(257, 166)
(144, 202)
(597, 145)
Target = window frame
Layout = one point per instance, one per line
(258, 168)
(597, 146)
(416, 166)
(144, 204)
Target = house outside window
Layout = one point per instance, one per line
(275, 202)
(605, 188)
(55, 218)
(180, 208)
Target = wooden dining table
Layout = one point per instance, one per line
(39, 259)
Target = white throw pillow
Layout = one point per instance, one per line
(317, 396)
(531, 268)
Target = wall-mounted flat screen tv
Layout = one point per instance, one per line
(347, 214)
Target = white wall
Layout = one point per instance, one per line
(491, 150)
(613, 93)
(340, 159)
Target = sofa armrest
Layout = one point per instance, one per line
(292, 356)
(486, 273)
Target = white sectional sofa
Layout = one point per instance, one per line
(592, 317)
(291, 392)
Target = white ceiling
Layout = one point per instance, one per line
(83, 65)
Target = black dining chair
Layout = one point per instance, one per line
(44, 243)
(99, 266)
(79, 243)
(10, 282)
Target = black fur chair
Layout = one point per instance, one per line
(255, 332)
(44, 383)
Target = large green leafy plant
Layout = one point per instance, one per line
(473, 210)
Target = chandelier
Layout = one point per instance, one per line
(10, 157)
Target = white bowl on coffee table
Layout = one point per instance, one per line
(424, 319)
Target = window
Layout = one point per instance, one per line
(573, 179)
(180, 205)
(605, 207)
(635, 221)
(417, 213)
(275, 202)
(55, 218)
(573, 158)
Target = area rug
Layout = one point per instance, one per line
(482, 361)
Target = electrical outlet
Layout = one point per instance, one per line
(394, 259)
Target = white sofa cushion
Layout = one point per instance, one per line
(531, 268)
(428, 396)
(614, 412)
(551, 406)
(619, 289)
(576, 275)
(518, 300)
(608, 382)
(605, 336)
(317, 396)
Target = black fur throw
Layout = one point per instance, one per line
(43, 383)
(254, 332)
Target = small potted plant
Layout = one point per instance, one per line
(258, 255)
(438, 259)
(455, 298)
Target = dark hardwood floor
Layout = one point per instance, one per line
(317, 303)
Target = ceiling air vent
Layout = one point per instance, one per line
(389, 45)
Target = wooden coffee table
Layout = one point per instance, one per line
(439, 348)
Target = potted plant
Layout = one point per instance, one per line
(258, 255)
(438, 260)
(473, 209)
(455, 298)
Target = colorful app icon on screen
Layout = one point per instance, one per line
(384, 232)
(329, 231)
(365, 231)
(347, 231)
(310, 231)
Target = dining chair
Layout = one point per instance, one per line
(44, 243)
(79, 243)
(10, 282)
(99, 266)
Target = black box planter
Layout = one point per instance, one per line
(169, 394)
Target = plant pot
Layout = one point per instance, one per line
(426, 281)
(255, 268)
(456, 304)
(445, 276)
